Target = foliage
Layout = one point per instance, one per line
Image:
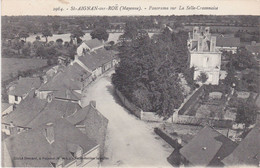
(246, 113)
(148, 71)
(203, 77)
(188, 74)
(242, 59)
(24, 34)
(77, 33)
(46, 33)
(99, 33)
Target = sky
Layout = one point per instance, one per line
(52, 7)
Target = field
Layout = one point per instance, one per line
(11, 66)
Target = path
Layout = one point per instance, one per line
(130, 141)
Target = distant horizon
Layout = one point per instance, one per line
(129, 8)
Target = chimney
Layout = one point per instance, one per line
(207, 29)
(200, 43)
(76, 57)
(93, 103)
(12, 128)
(79, 155)
(60, 162)
(213, 43)
(49, 132)
(67, 94)
(195, 32)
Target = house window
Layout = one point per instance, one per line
(16, 98)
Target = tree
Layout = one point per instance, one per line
(246, 113)
(37, 38)
(203, 77)
(148, 71)
(100, 34)
(46, 33)
(24, 34)
(55, 26)
(17, 45)
(59, 42)
(77, 33)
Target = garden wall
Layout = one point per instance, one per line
(192, 100)
(191, 120)
(146, 116)
(173, 142)
(130, 106)
(150, 116)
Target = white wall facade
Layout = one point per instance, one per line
(208, 63)
(11, 99)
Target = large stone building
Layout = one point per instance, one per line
(204, 56)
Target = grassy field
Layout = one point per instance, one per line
(11, 66)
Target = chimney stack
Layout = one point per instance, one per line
(49, 133)
(93, 103)
(213, 43)
(12, 128)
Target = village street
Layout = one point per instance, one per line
(130, 141)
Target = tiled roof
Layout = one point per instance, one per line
(24, 85)
(227, 41)
(208, 148)
(248, 150)
(33, 144)
(97, 58)
(93, 43)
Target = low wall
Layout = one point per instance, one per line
(191, 120)
(192, 101)
(150, 116)
(130, 106)
(173, 142)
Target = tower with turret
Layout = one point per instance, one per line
(204, 56)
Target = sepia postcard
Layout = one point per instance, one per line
(112, 83)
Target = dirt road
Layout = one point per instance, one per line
(130, 141)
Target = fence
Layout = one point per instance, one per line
(191, 120)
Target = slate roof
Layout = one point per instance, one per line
(248, 150)
(24, 85)
(5, 106)
(208, 148)
(76, 72)
(68, 94)
(33, 143)
(227, 41)
(32, 108)
(85, 113)
(61, 80)
(25, 111)
(93, 43)
(76, 118)
(97, 58)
